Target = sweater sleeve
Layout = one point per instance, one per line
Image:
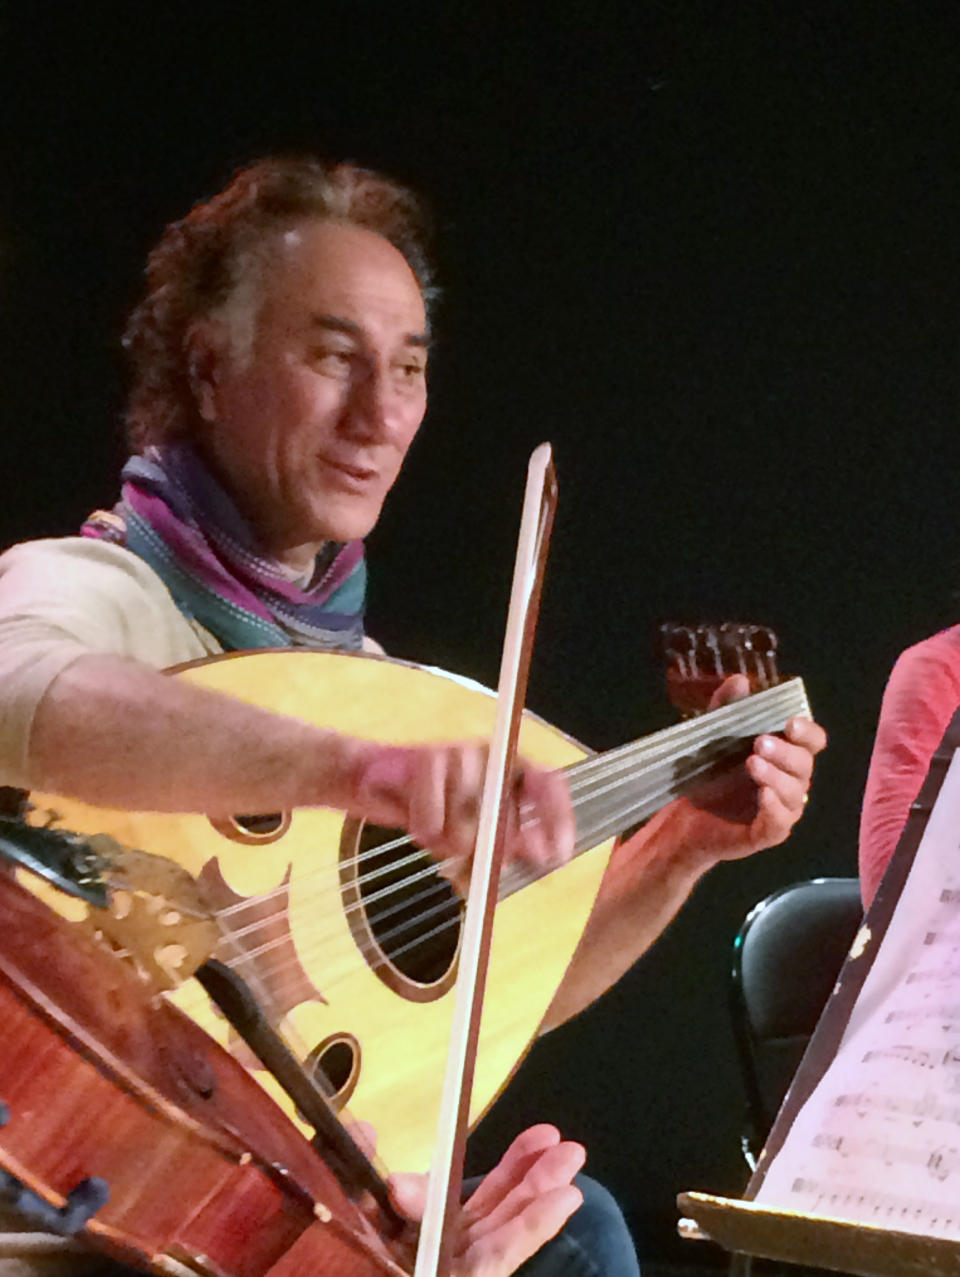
(62, 599)
(921, 697)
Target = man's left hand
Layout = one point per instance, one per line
(756, 805)
(523, 1202)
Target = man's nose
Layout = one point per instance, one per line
(376, 405)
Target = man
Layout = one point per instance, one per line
(279, 379)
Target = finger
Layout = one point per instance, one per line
(508, 1225)
(383, 783)
(526, 833)
(456, 870)
(774, 819)
(789, 789)
(501, 1253)
(549, 1169)
(408, 1192)
(547, 827)
(468, 767)
(794, 760)
(427, 798)
(806, 733)
(734, 688)
(511, 1168)
(363, 1134)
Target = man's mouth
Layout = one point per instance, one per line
(352, 472)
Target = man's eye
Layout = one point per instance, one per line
(413, 370)
(332, 361)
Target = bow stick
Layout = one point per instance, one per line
(437, 1231)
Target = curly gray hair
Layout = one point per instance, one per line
(212, 262)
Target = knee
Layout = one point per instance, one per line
(600, 1228)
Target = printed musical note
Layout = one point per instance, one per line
(934, 975)
(928, 1108)
(875, 1207)
(947, 1015)
(910, 1054)
(941, 1162)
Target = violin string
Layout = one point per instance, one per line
(248, 968)
(374, 961)
(398, 930)
(195, 1003)
(429, 873)
(602, 809)
(772, 701)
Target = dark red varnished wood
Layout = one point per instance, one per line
(104, 1079)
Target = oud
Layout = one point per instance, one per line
(347, 934)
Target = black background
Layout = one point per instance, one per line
(709, 250)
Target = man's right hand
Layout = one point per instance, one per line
(434, 791)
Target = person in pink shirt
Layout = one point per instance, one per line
(921, 697)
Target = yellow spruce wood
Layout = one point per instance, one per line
(403, 1042)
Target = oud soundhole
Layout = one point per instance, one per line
(403, 914)
(266, 823)
(256, 827)
(335, 1066)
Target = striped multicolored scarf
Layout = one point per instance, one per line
(179, 520)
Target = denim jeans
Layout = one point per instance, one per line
(594, 1243)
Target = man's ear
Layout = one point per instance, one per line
(205, 349)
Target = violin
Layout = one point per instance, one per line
(123, 1117)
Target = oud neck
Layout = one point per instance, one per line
(626, 786)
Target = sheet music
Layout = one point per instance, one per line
(878, 1142)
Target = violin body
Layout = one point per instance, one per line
(102, 1079)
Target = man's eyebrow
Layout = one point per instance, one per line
(334, 323)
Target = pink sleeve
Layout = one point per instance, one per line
(921, 697)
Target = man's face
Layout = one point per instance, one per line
(309, 431)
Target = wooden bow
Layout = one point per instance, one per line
(438, 1231)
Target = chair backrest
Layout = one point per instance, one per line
(786, 959)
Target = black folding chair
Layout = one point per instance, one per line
(786, 958)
